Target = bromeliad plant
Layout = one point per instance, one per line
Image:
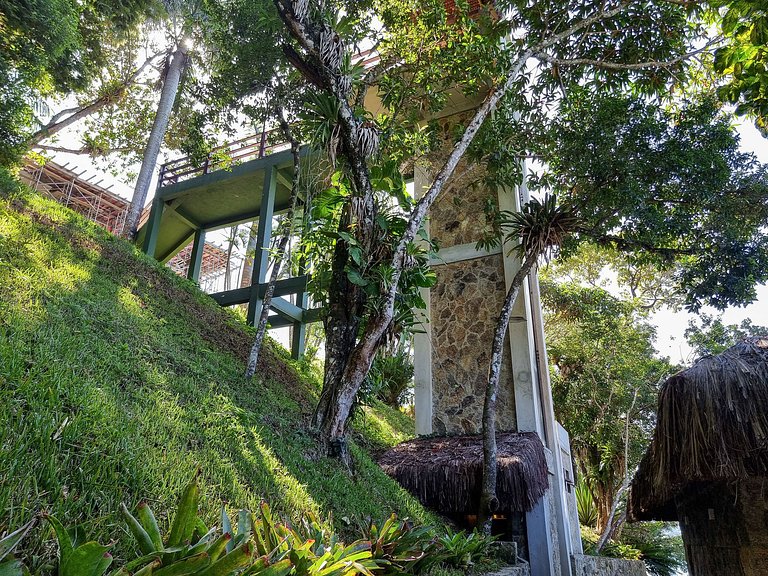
(254, 545)
(462, 549)
(402, 548)
(190, 548)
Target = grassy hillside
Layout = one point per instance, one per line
(118, 379)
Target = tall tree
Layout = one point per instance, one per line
(605, 378)
(709, 335)
(555, 44)
(666, 189)
(53, 48)
(171, 80)
(741, 61)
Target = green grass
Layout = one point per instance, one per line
(118, 379)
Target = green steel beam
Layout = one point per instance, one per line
(263, 237)
(287, 309)
(153, 226)
(196, 258)
(284, 287)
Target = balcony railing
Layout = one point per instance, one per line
(222, 157)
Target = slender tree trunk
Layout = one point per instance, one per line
(489, 503)
(253, 357)
(230, 247)
(160, 125)
(612, 525)
(250, 255)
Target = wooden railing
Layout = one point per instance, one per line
(233, 153)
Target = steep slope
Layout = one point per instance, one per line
(119, 379)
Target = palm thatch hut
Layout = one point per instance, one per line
(707, 465)
(445, 474)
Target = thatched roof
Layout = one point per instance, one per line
(712, 426)
(446, 473)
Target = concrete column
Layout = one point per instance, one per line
(521, 340)
(535, 413)
(422, 342)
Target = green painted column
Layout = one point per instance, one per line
(299, 330)
(263, 238)
(196, 258)
(153, 226)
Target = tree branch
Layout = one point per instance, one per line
(611, 65)
(55, 125)
(83, 150)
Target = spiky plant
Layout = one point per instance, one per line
(331, 48)
(300, 9)
(585, 504)
(541, 226)
(9, 565)
(368, 139)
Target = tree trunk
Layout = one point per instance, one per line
(230, 248)
(159, 126)
(253, 357)
(250, 255)
(489, 503)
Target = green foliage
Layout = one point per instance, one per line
(368, 269)
(390, 378)
(660, 546)
(604, 379)
(670, 188)
(9, 565)
(120, 379)
(52, 47)
(708, 334)
(742, 60)
(585, 505)
(612, 549)
(75, 559)
(462, 549)
(402, 548)
(655, 543)
(259, 544)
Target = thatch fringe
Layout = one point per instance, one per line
(712, 425)
(445, 473)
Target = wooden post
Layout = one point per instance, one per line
(263, 238)
(196, 258)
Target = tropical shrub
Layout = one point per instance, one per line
(400, 547)
(655, 543)
(390, 378)
(254, 545)
(585, 505)
(462, 549)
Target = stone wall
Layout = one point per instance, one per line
(465, 303)
(584, 565)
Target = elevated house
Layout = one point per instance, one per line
(707, 465)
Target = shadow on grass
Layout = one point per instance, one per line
(120, 379)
